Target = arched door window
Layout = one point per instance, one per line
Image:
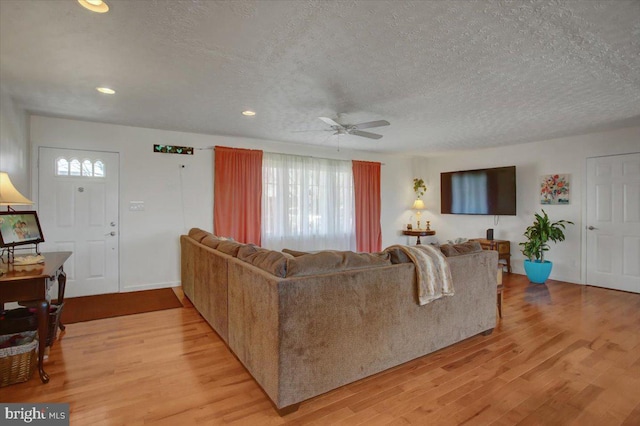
(74, 167)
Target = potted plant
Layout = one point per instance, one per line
(538, 235)
(419, 187)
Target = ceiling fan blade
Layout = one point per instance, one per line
(369, 124)
(330, 121)
(365, 134)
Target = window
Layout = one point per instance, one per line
(87, 168)
(73, 167)
(98, 169)
(307, 203)
(62, 167)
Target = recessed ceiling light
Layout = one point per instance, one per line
(249, 113)
(98, 6)
(105, 90)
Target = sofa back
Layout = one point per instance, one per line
(205, 283)
(305, 335)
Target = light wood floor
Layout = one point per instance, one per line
(562, 354)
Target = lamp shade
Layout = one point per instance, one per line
(418, 205)
(9, 195)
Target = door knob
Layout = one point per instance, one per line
(591, 228)
(112, 234)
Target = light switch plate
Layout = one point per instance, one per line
(136, 206)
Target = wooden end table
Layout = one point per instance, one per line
(418, 233)
(28, 284)
(503, 247)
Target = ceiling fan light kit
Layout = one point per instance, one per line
(354, 129)
(97, 6)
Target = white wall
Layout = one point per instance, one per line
(14, 147)
(532, 160)
(178, 199)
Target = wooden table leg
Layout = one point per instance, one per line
(42, 307)
(418, 242)
(62, 283)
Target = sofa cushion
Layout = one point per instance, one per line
(468, 247)
(246, 250)
(198, 234)
(294, 253)
(327, 261)
(448, 250)
(229, 247)
(211, 241)
(270, 261)
(451, 250)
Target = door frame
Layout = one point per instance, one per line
(35, 190)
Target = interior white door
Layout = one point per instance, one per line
(78, 210)
(613, 222)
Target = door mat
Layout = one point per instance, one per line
(89, 308)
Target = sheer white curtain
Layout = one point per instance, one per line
(307, 203)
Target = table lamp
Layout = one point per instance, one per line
(9, 195)
(418, 205)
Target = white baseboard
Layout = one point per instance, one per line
(151, 286)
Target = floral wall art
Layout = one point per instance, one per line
(555, 189)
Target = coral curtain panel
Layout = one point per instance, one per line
(366, 179)
(237, 194)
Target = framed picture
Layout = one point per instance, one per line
(555, 189)
(19, 228)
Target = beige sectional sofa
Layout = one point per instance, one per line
(304, 325)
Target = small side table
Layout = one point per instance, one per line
(418, 233)
(503, 247)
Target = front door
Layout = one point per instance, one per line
(613, 222)
(78, 210)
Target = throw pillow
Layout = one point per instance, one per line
(468, 247)
(229, 247)
(246, 250)
(198, 234)
(451, 250)
(211, 241)
(270, 261)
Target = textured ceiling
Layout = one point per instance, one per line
(446, 74)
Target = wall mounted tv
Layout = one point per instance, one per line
(482, 191)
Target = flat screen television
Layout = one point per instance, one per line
(19, 228)
(482, 191)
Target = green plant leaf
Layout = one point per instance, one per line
(540, 233)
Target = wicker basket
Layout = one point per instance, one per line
(17, 363)
(54, 320)
(13, 321)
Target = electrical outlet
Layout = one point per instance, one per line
(136, 206)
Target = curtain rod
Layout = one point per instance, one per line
(309, 156)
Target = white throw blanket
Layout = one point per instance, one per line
(433, 275)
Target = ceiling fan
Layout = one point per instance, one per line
(354, 129)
